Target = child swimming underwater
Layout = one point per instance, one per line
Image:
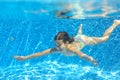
(72, 46)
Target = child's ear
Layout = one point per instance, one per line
(67, 42)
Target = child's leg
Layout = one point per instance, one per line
(95, 40)
(80, 30)
(109, 30)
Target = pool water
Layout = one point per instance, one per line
(27, 27)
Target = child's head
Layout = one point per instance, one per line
(63, 36)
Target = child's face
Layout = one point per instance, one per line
(58, 42)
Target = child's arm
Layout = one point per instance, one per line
(48, 51)
(82, 55)
(86, 57)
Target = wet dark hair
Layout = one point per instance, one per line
(64, 36)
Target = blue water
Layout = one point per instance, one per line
(24, 30)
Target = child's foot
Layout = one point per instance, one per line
(117, 22)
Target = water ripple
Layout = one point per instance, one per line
(57, 71)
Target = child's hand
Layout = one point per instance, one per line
(94, 61)
(20, 58)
